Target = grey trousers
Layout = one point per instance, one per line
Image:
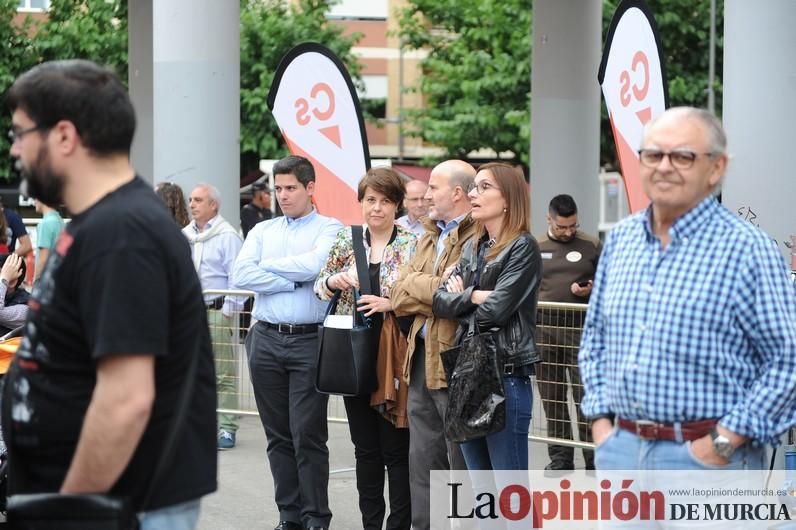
(428, 448)
(293, 415)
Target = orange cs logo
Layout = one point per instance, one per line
(640, 62)
(320, 105)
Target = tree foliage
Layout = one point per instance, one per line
(476, 79)
(16, 56)
(268, 30)
(88, 29)
(95, 29)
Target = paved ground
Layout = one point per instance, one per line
(244, 499)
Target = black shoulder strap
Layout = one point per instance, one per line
(361, 261)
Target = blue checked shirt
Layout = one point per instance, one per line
(705, 328)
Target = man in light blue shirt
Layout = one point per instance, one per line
(689, 344)
(280, 260)
(214, 246)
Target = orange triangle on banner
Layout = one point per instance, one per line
(333, 134)
(644, 115)
(333, 196)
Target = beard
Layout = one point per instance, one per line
(39, 181)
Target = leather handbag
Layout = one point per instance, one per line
(476, 397)
(55, 511)
(348, 344)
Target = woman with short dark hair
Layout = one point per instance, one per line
(378, 442)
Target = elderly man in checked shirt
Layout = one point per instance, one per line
(689, 345)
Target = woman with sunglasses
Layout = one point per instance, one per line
(498, 278)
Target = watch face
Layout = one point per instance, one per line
(723, 447)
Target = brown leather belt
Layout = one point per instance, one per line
(648, 430)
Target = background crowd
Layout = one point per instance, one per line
(130, 294)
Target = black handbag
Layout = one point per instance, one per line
(346, 360)
(55, 511)
(476, 398)
(47, 511)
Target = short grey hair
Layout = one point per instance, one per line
(212, 193)
(717, 138)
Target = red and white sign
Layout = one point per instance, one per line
(634, 85)
(316, 107)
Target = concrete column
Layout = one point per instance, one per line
(565, 108)
(185, 85)
(759, 113)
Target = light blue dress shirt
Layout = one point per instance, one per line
(444, 230)
(704, 328)
(417, 228)
(280, 260)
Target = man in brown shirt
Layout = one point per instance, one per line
(569, 261)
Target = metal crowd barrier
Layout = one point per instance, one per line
(558, 388)
(557, 381)
(228, 334)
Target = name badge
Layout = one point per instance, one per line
(574, 256)
(547, 255)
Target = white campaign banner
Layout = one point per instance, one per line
(316, 107)
(634, 85)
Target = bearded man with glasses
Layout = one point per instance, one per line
(688, 354)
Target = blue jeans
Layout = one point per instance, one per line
(507, 449)
(624, 455)
(182, 516)
(624, 450)
(504, 450)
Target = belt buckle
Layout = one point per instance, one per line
(285, 328)
(641, 424)
(508, 369)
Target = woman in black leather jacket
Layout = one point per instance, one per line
(498, 279)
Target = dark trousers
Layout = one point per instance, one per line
(293, 415)
(377, 443)
(558, 361)
(428, 448)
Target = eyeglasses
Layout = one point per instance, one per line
(13, 135)
(482, 187)
(681, 159)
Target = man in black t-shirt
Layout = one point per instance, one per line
(117, 319)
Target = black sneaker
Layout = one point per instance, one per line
(560, 465)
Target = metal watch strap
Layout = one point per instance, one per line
(721, 444)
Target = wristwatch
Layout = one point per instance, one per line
(721, 444)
